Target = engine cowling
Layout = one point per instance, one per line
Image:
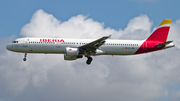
(72, 57)
(69, 57)
(72, 51)
(72, 54)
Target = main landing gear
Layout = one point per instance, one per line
(25, 55)
(89, 60)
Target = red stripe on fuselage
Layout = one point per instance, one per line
(149, 46)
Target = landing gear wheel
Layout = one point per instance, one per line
(89, 60)
(24, 59)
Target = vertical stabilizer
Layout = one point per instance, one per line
(157, 40)
(161, 33)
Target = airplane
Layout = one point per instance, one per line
(77, 48)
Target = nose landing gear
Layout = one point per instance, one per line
(25, 55)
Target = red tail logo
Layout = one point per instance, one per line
(157, 37)
(161, 33)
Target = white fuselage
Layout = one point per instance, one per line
(53, 45)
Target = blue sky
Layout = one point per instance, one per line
(114, 13)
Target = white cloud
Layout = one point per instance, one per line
(45, 25)
(137, 28)
(49, 77)
(175, 29)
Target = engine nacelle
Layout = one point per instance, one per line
(72, 57)
(69, 57)
(72, 51)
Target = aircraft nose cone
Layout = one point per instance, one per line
(8, 47)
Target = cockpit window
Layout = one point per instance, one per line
(15, 42)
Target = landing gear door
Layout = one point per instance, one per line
(25, 42)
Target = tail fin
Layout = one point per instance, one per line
(161, 33)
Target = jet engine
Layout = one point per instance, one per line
(72, 51)
(72, 54)
(72, 57)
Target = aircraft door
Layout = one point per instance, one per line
(25, 42)
(145, 45)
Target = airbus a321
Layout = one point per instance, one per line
(77, 48)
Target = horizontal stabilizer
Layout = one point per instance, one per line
(162, 44)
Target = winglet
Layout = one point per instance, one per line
(106, 37)
(109, 36)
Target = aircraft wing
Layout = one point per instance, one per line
(162, 44)
(94, 44)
